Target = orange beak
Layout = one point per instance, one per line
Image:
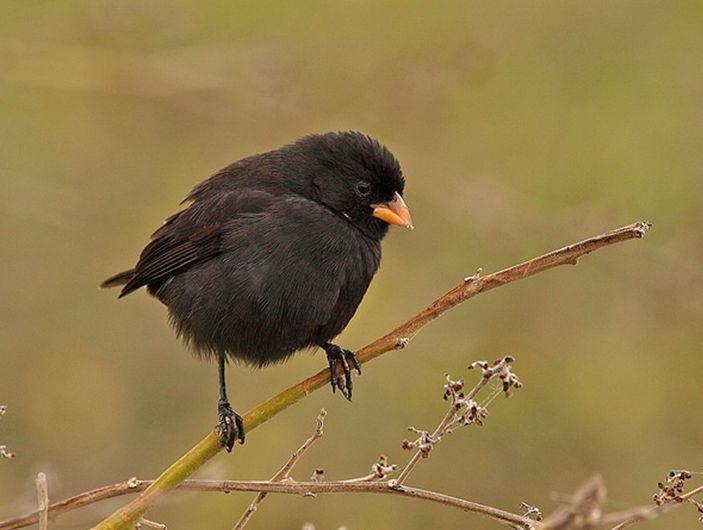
(394, 212)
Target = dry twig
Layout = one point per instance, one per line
(620, 519)
(463, 409)
(291, 487)
(284, 472)
(42, 501)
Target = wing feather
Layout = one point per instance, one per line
(191, 236)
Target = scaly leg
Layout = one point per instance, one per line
(230, 425)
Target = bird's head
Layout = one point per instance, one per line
(358, 178)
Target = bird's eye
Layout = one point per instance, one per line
(363, 188)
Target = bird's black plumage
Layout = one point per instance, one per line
(274, 253)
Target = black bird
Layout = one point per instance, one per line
(274, 254)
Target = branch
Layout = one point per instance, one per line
(588, 493)
(306, 488)
(127, 516)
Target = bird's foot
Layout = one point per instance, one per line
(337, 355)
(230, 426)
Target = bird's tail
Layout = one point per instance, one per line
(118, 279)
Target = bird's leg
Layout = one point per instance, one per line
(230, 425)
(335, 355)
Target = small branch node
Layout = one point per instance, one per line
(394, 484)
(382, 468)
(401, 343)
(531, 512)
(474, 277)
(642, 227)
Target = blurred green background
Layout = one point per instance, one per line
(521, 126)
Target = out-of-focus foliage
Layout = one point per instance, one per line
(520, 126)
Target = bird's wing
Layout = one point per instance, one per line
(192, 236)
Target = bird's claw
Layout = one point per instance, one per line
(337, 355)
(230, 426)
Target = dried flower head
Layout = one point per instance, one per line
(673, 488)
